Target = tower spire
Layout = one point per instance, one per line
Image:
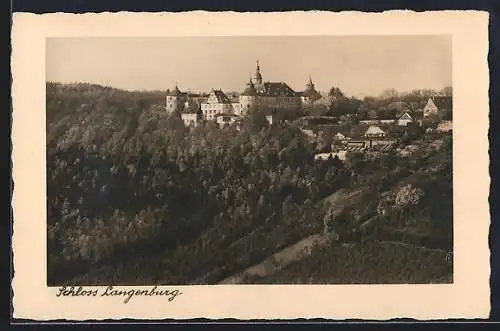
(310, 85)
(258, 76)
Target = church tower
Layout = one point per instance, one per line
(248, 98)
(175, 100)
(310, 94)
(258, 78)
(310, 85)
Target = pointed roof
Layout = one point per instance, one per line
(406, 116)
(310, 91)
(221, 96)
(310, 84)
(430, 103)
(175, 92)
(258, 76)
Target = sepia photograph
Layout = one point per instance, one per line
(234, 165)
(249, 160)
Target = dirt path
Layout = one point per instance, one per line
(300, 249)
(279, 260)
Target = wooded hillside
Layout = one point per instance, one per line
(134, 197)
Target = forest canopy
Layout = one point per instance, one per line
(136, 197)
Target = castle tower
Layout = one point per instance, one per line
(310, 85)
(175, 100)
(258, 77)
(310, 94)
(248, 98)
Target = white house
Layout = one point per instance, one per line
(217, 103)
(226, 119)
(405, 119)
(269, 119)
(430, 108)
(374, 132)
(190, 119)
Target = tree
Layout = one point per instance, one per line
(447, 91)
(390, 93)
(336, 93)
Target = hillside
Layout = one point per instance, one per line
(134, 197)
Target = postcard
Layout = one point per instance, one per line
(250, 165)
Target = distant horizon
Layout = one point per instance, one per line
(208, 92)
(359, 65)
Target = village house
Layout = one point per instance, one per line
(430, 108)
(405, 119)
(190, 118)
(436, 104)
(226, 119)
(374, 132)
(191, 114)
(269, 119)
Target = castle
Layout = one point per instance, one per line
(258, 93)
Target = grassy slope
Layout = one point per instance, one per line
(400, 251)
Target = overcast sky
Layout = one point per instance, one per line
(360, 65)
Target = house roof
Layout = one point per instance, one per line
(311, 94)
(175, 92)
(310, 91)
(406, 116)
(372, 130)
(192, 109)
(221, 96)
(277, 89)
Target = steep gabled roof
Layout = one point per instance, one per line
(406, 116)
(221, 96)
